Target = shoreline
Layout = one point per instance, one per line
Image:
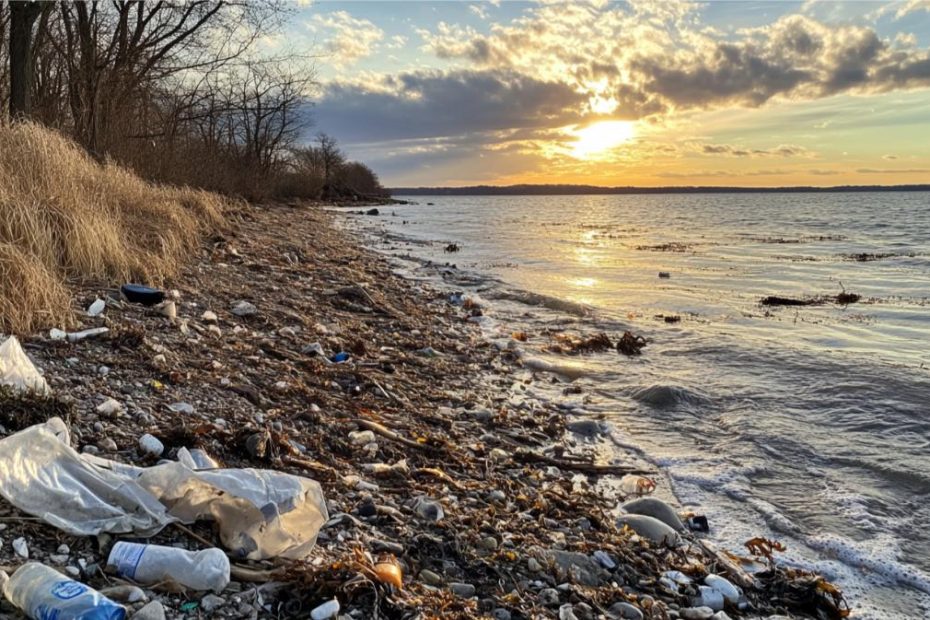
(522, 530)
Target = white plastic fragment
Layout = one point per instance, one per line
(17, 370)
(327, 610)
(87, 333)
(181, 408)
(96, 308)
(57, 334)
(207, 569)
(21, 548)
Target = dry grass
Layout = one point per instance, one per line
(65, 216)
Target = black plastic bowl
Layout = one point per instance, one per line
(138, 294)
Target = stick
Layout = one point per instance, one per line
(529, 456)
(388, 433)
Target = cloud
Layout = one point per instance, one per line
(348, 39)
(893, 170)
(431, 104)
(784, 150)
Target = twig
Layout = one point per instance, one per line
(388, 433)
(529, 456)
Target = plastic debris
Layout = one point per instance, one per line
(17, 370)
(339, 357)
(109, 407)
(207, 569)
(388, 571)
(43, 592)
(186, 408)
(97, 308)
(138, 294)
(260, 513)
(327, 610)
(21, 548)
(57, 334)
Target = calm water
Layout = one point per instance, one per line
(810, 425)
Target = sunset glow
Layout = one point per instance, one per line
(600, 137)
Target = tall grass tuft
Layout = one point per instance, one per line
(64, 216)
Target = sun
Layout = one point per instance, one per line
(601, 136)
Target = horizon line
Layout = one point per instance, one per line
(543, 189)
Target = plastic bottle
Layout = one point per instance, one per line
(45, 594)
(147, 564)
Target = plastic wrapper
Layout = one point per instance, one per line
(17, 370)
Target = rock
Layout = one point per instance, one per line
(720, 615)
(549, 597)
(360, 438)
(489, 543)
(152, 611)
(624, 611)
(63, 549)
(697, 613)
(657, 509)
(497, 496)
(650, 528)
(578, 567)
(243, 308)
(59, 558)
(730, 592)
(500, 614)
(534, 565)
(109, 407)
(587, 428)
(21, 548)
(96, 308)
(150, 444)
(209, 316)
(566, 612)
(168, 309)
(428, 509)
(125, 594)
(108, 445)
(211, 602)
(372, 212)
(327, 610)
(430, 578)
(464, 590)
(75, 572)
(583, 611)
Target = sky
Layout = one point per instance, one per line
(624, 93)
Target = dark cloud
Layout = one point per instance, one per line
(428, 104)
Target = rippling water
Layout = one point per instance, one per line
(810, 425)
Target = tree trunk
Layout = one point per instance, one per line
(22, 16)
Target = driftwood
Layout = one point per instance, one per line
(529, 456)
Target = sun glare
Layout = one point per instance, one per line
(599, 137)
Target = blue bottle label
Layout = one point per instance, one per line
(66, 590)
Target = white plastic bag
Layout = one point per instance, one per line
(42, 475)
(260, 513)
(18, 371)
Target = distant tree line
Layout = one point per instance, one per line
(580, 190)
(179, 91)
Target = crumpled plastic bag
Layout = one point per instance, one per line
(260, 513)
(18, 371)
(42, 475)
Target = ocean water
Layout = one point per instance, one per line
(810, 425)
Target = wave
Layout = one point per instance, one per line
(544, 301)
(668, 396)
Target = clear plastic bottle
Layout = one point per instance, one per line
(198, 570)
(45, 594)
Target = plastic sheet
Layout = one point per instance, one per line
(17, 370)
(260, 513)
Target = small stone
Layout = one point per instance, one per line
(464, 590)
(549, 597)
(103, 370)
(109, 407)
(64, 549)
(497, 496)
(624, 611)
(567, 613)
(534, 565)
(108, 445)
(499, 455)
(586, 428)
(125, 594)
(430, 578)
(209, 316)
(150, 444)
(152, 611)
(500, 614)
(489, 543)
(215, 330)
(697, 613)
(244, 308)
(720, 615)
(74, 571)
(583, 611)
(21, 548)
(360, 438)
(211, 602)
(59, 558)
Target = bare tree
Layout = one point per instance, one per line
(23, 15)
